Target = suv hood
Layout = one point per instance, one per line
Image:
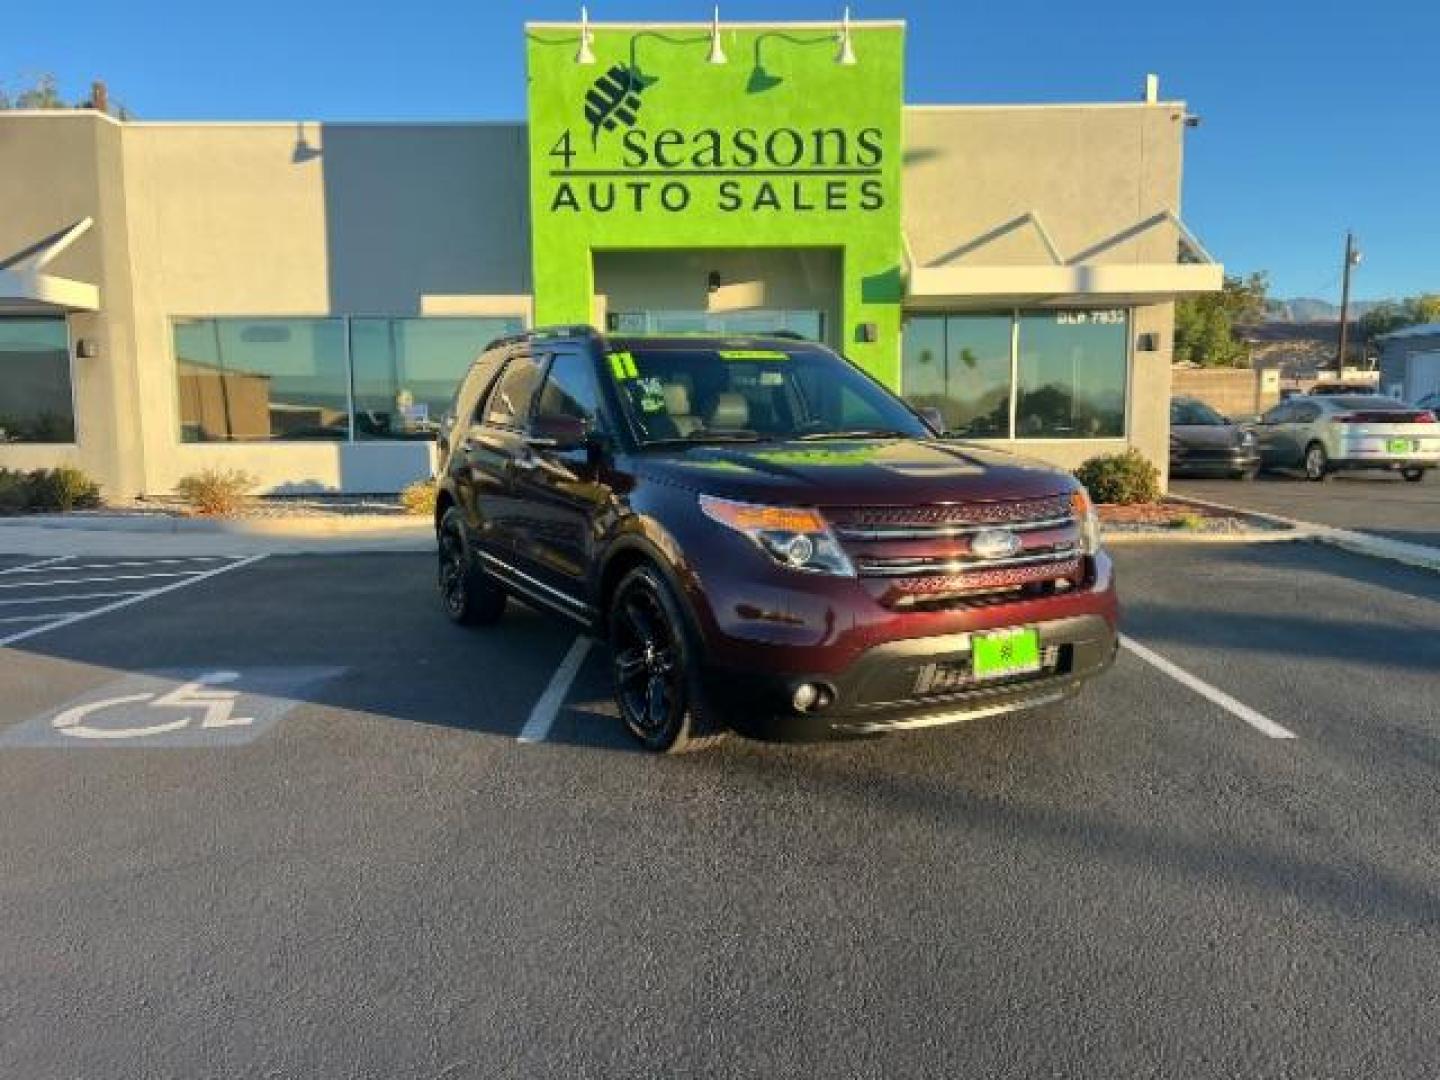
(853, 472)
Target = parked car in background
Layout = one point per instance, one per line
(1202, 442)
(1324, 434)
(1330, 389)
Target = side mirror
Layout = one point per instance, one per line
(560, 433)
(934, 417)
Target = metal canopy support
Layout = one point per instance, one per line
(24, 284)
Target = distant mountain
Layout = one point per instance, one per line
(1305, 309)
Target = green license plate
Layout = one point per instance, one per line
(1005, 652)
(1399, 446)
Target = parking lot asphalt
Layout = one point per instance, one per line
(383, 880)
(1379, 503)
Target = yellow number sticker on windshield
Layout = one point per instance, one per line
(753, 354)
(622, 364)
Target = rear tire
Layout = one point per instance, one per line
(1413, 475)
(655, 668)
(1317, 463)
(468, 595)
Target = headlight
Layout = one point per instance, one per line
(1089, 521)
(794, 537)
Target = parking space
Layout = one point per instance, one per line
(1379, 503)
(389, 880)
(40, 594)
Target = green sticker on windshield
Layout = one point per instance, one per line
(753, 354)
(622, 365)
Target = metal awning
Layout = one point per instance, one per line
(26, 288)
(1077, 281)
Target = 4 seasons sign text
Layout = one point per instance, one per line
(616, 162)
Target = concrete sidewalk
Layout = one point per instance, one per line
(117, 535)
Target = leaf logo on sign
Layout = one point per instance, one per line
(614, 99)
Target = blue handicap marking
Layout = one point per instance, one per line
(174, 708)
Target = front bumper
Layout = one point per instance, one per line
(916, 682)
(1222, 460)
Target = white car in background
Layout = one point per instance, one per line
(1325, 434)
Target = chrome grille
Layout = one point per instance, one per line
(924, 553)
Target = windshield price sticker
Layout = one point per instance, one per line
(752, 354)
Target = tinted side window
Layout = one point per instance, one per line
(1280, 414)
(1305, 413)
(509, 403)
(477, 382)
(570, 390)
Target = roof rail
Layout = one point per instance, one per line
(547, 333)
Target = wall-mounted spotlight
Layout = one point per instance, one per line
(712, 281)
(585, 54)
(717, 54)
(846, 55)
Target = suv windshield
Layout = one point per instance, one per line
(718, 393)
(1185, 413)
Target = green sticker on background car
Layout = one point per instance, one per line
(1005, 652)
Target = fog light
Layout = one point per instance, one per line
(805, 696)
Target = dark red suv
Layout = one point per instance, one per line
(768, 539)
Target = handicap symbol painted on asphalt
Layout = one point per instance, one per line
(175, 709)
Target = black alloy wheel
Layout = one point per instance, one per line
(657, 688)
(1317, 463)
(468, 595)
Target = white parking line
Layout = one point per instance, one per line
(38, 568)
(91, 580)
(129, 599)
(1258, 721)
(38, 618)
(542, 716)
(32, 567)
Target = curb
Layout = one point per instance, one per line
(1182, 536)
(357, 526)
(1416, 555)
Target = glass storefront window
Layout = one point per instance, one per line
(1071, 372)
(1072, 375)
(36, 405)
(405, 371)
(244, 380)
(960, 364)
(808, 324)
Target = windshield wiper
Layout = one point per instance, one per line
(702, 436)
(856, 433)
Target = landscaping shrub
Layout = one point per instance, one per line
(1120, 478)
(216, 492)
(419, 498)
(62, 489)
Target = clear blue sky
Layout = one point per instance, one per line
(1316, 116)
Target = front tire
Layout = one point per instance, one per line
(1317, 463)
(654, 663)
(468, 595)
(1413, 475)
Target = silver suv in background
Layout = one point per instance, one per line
(1325, 434)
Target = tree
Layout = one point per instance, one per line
(1205, 325)
(44, 93)
(1391, 315)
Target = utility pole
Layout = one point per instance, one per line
(1352, 259)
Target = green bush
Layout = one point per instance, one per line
(418, 498)
(1120, 478)
(62, 489)
(216, 492)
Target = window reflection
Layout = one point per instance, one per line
(244, 380)
(1072, 375)
(35, 399)
(406, 370)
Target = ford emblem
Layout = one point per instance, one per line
(994, 544)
